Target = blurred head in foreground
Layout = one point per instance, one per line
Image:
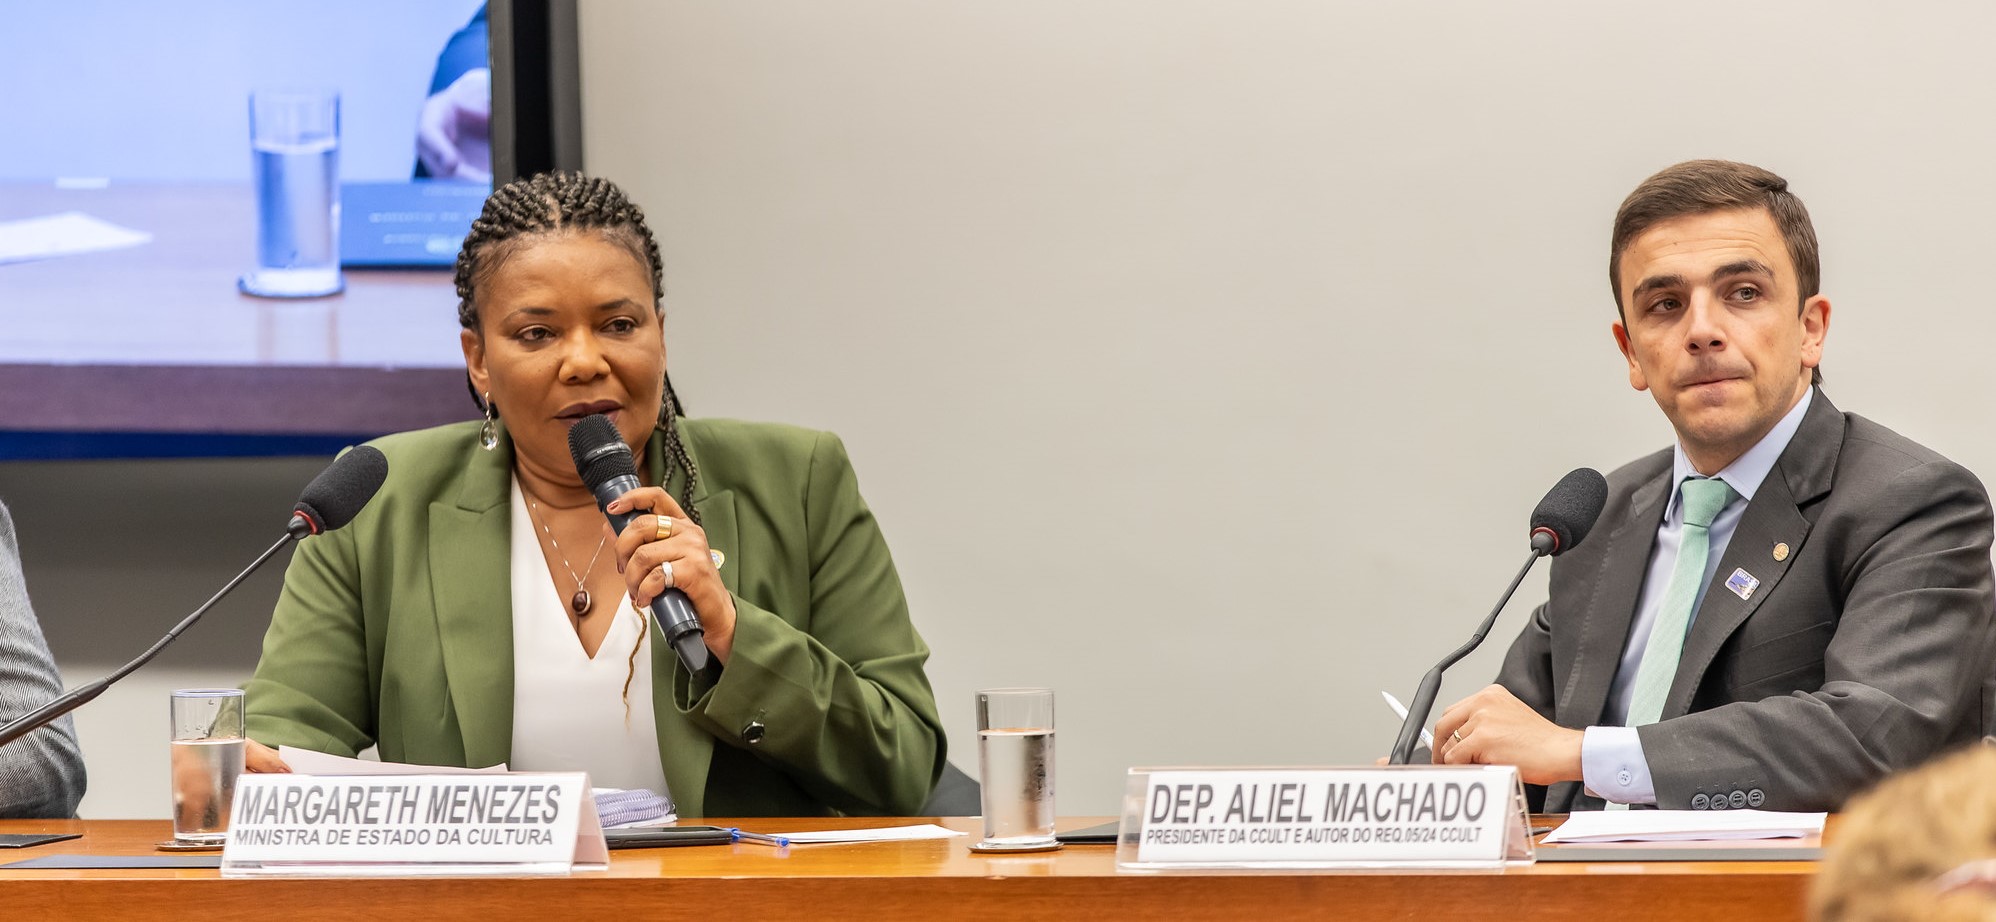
(1922, 845)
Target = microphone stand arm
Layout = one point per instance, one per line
(84, 694)
(1431, 684)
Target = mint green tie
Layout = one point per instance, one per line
(1703, 500)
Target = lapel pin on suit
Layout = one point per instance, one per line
(1780, 551)
(1742, 583)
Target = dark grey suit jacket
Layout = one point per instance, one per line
(1867, 648)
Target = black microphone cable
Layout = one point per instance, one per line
(1559, 523)
(330, 501)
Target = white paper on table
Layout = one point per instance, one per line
(1684, 826)
(881, 834)
(312, 762)
(65, 234)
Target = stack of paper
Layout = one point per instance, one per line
(637, 807)
(1684, 826)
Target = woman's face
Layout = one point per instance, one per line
(566, 328)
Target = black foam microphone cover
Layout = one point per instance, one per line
(599, 451)
(609, 471)
(1561, 520)
(334, 497)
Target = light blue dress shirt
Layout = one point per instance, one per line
(1612, 763)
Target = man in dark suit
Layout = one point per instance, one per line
(1787, 604)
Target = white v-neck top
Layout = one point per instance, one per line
(568, 709)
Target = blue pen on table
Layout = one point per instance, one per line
(1427, 738)
(742, 835)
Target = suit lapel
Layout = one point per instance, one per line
(686, 751)
(717, 516)
(471, 588)
(1612, 604)
(1803, 473)
(717, 510)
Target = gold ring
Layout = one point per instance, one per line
(663, 526)
(1455, 736)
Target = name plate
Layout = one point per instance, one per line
(497, 823)
(1308, 818)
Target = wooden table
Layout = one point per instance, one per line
(901, 880)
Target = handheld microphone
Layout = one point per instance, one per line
(609, 471)
(330, 501)
(1559, 523)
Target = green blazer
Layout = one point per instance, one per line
(396, 630)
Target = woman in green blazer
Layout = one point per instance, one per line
(399, 630)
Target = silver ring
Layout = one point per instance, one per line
(666, 568)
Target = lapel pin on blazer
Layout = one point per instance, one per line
(1780, 551)
(1742, 583)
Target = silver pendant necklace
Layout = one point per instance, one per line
(580, 602)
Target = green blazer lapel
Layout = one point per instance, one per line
(470, 545)
(717, 510)
(685, 751)
(1802, 474)
(717, 516)
(1611, 603)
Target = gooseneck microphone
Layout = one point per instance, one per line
(609, 470)
(1559, 523)
(330, 501)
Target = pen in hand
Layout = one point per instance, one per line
(764, 838)
(1427, 738)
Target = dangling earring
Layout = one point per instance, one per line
(488, 434)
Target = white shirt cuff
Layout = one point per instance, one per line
(1613, 767)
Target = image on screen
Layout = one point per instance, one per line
(231, 226)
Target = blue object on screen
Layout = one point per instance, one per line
(409, 223)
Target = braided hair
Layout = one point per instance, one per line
(552, 203)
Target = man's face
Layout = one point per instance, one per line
(1710, 329)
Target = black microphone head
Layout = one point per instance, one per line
(1568, 511)
(334, 497)
(599, 451)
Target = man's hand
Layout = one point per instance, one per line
(1492, 727)
(454, 129)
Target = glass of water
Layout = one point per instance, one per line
(1015, 760)
(207, 757)
(295, 140)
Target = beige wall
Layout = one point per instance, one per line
(1202, 360)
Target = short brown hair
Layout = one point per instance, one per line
(1901, 849)
(1700, 186)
